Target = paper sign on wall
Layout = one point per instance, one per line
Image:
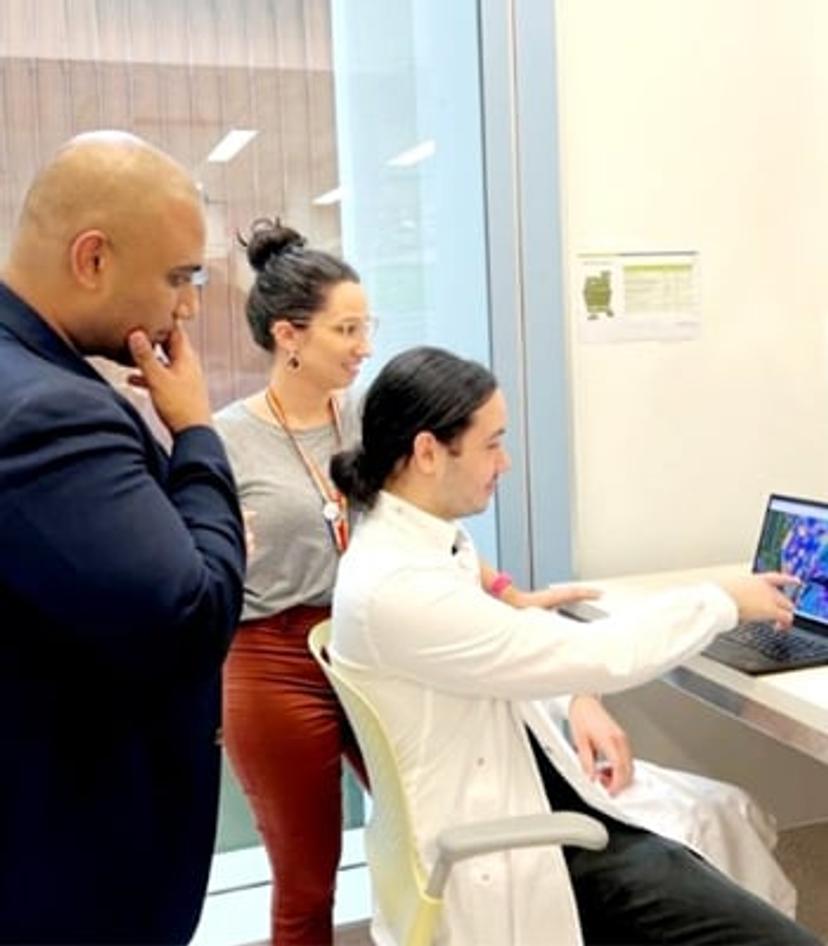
(625, 297)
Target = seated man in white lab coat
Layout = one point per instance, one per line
(454, 671)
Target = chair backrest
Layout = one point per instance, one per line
(398, 878)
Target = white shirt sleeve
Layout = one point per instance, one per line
(452, 635)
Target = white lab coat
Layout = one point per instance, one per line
(457, 676)
(719, 821)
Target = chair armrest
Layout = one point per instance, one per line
(484, 837)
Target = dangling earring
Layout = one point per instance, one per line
(293, 361)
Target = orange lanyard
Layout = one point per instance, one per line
(334, 504)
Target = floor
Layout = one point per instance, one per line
(355, 934)
(803, 853)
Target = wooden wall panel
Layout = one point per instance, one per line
(182, 74)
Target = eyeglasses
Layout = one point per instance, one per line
(187, 276)
(353, 329)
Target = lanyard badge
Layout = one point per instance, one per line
(334, 504)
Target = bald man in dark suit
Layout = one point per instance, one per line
(121, 567)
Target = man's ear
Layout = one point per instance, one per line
(426, 452)
(89, 258)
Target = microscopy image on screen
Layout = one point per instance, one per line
(798, 544)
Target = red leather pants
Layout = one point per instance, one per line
(285, 734)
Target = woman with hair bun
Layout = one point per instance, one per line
(284, 731)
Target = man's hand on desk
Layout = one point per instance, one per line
(759, 598)
(552, 597)
(603, 746)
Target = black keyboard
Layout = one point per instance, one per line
(778, 645)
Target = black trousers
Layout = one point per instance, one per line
(643, 889)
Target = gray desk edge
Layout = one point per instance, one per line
(771, 711)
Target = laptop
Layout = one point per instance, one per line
(794, 539)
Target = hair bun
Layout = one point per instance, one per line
(269, 238)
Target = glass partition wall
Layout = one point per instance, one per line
(241, 93)
(356, 121)
(185, 74)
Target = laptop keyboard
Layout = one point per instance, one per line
(775, 644)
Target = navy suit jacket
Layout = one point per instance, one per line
(121, 579)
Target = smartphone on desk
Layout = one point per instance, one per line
(584, 611)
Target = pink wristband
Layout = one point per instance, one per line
(499, 584)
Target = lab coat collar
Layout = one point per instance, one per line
(421, 527)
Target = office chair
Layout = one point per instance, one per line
(411, 901)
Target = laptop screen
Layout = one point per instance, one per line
(794, 539)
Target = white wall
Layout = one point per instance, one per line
(699, 124)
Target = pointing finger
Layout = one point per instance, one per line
(780, 579)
